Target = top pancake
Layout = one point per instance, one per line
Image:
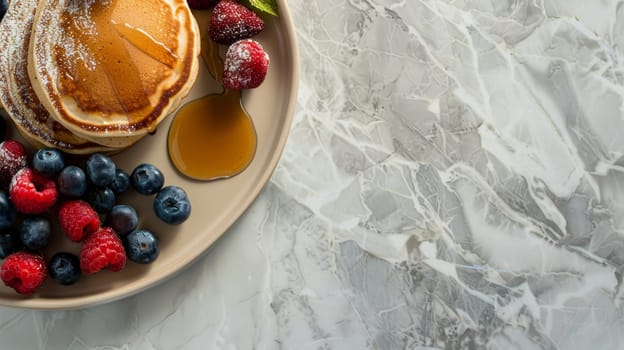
(111, 70)
(16, 93)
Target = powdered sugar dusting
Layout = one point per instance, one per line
(67, 40)
(16, 91)
(13, 30)
(232, 21)
(80, 14)
(246, 65)
(12, 159)
(31, 74)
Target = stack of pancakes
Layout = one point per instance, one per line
(88, 76)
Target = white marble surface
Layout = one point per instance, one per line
(454, 179)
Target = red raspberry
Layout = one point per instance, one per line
(246, 65)
(231, 21)
(31, 192)
(23, 271)
(201, 4)
(77, 219)
(102, 249)
(12, 159)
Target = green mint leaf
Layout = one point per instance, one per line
(266, 6)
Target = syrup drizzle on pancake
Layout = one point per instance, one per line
(107, 48)
(111, 70)
(16, 91)
(147, 43)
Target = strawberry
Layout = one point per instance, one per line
(246, 65)
(12, 159)
(201, 4)
(232, 21)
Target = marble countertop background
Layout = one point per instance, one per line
(454, 179)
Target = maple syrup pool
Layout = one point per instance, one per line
(212, 137)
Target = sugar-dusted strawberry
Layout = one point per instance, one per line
(201, 4)
(12, 159)
(246, 65)
(232, 21)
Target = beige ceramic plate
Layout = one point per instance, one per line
(216, 205)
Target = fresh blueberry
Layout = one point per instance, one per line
(72, 181)
(102, 199)
(9, 244)
(147, 179)
(7, 212)
(100, 170)
(172, 205)
(4, 6)
(48, 161)
(121, 183)
(141, 246)
(35, 232)
(123, 219)
(64, 268)
(2, 121)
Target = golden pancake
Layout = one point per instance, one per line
(16, 93)
(111, 70)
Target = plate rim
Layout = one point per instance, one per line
(87, 301)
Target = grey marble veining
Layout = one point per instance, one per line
(454, 179)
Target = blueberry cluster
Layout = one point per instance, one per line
(99, 184)
(4, 6)
(102, 182)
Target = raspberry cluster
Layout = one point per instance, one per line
(83, 199)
